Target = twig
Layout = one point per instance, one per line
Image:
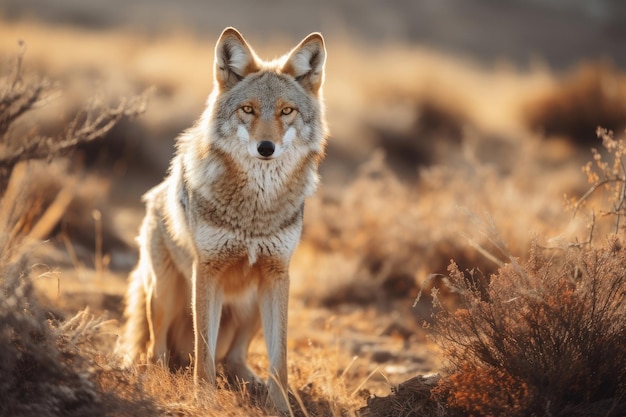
(593, 188)
(590, 236)
(622, 196)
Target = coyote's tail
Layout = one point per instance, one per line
(133, 343)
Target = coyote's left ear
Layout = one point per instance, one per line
(306, 62)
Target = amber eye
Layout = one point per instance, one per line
(286, 111)
(247, 109)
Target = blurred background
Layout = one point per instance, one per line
(449, 120)
(561, 32)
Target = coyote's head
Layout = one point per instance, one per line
(267, 110)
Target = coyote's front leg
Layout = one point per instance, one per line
(273, 302)
(207, 299)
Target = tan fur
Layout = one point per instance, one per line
(220, 230)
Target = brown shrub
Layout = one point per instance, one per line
(43, 367)
(548, 340)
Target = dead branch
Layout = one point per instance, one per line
(593, 189)
(17, 97)
(86, 127)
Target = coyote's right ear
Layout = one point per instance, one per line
(234, 59)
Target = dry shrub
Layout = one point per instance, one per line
(544, 336)
(44, 369)
(20, 95)
(547, 340)
(593, 95)
(383, 230)
(36, 379)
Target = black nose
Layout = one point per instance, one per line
(265, 148)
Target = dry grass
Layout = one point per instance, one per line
(427, 159)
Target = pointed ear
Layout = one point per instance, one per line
(234, 59)
(306, 63)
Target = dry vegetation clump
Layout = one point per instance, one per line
(377, 236)
(46, 367)
(546, 336)
(37, 379)
(593, 95)
(548, 339)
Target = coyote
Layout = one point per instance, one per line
(219, 231)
